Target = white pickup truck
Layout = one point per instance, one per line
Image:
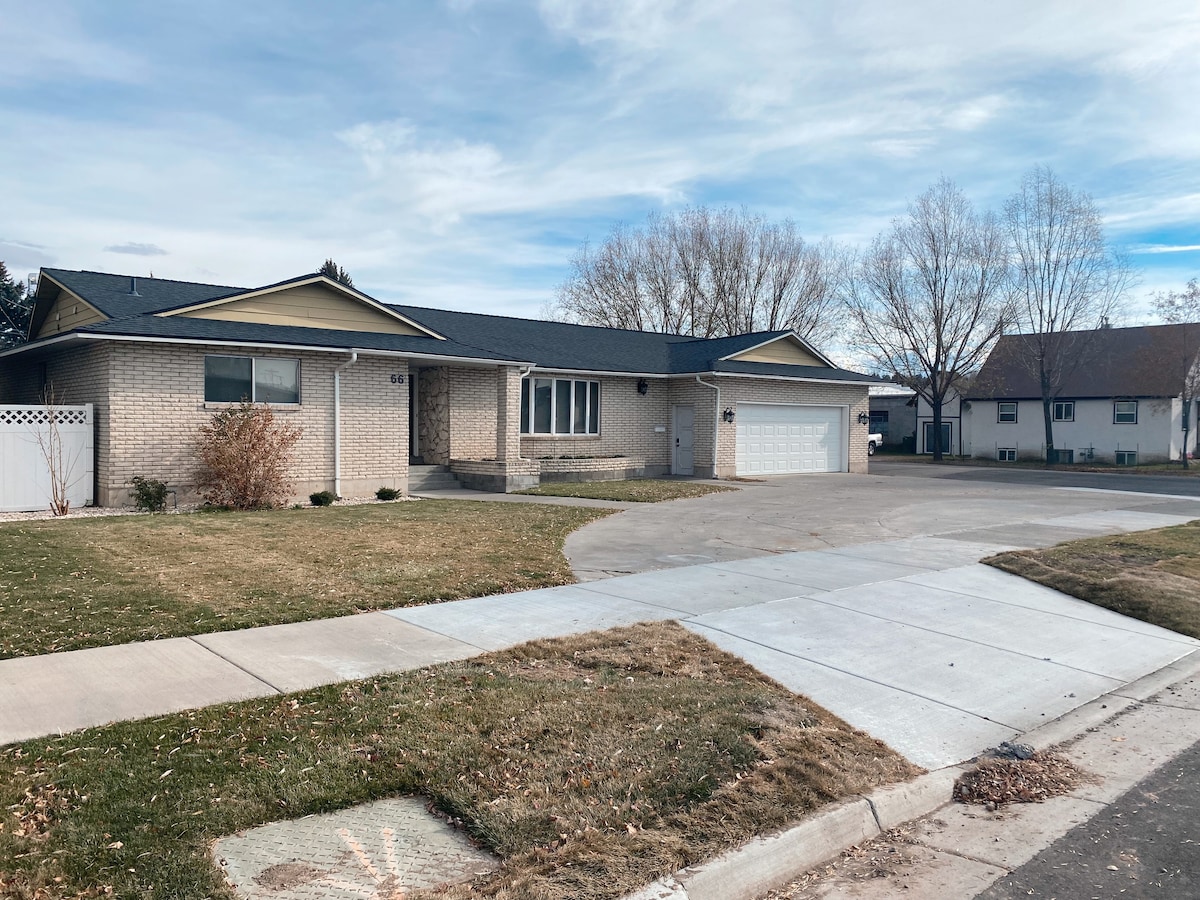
(873, 441)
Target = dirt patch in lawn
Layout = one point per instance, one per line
(67, 585)
(648, 490)
(591, 765)
(1149, 575)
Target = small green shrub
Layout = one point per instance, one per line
(322, 498)
(149, 494)
(387, 493)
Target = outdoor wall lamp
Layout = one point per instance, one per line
(643, 386)
(864, 419)
(727, 415)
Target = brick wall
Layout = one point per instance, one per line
(756, 390)
(473, 413)
(157, 405)
(627, 422)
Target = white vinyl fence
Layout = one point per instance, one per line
(34, 440)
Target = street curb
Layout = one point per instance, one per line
(765, 863)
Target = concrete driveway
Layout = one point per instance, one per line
(896, 501)
(865, 593)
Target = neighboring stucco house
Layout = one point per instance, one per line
(1119, 398)
(503, 402)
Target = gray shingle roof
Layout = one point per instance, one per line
(111, 293)
(1104, 363)
(549, 345)
(214, 330)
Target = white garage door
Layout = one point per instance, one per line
(786, 440)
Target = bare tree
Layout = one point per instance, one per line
(1177, 352)
(928, 299)
(707, 273)
(61, 459)
(1065, 278)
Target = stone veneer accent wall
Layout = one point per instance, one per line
(433, 422)
(149, 404)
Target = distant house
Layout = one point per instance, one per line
(1119, 398)
(381, 389)
(893, 413)
(955, 436)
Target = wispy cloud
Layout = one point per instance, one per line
(134, 249)
(1167, 248)
(459, 152)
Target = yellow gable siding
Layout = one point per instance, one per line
(67, 312)
(784, 350)
(308, 306)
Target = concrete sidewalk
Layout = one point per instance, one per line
(910, 640)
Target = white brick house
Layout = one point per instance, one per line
(502, 402)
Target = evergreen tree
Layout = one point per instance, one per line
(330, 269)
(15, 307)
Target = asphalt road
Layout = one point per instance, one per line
(1146, 844)
(1178, 485)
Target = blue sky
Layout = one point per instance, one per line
(457, 153)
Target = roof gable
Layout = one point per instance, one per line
(313, 301)
(58, 310)
(788, 349)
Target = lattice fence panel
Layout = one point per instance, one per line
(26, 433)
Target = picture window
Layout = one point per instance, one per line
(233, 379)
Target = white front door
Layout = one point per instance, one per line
(683, 458)
(779, 439)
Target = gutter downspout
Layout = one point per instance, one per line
(716, 421)
(337, 422)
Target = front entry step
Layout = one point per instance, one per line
(431, 478)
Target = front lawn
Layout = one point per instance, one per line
(1149, 575)
(66, 585)
(591, 765)
(647, 490)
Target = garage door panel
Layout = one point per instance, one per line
(789, 439)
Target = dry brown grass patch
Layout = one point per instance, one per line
(99, 581)
(592, 765)
(1149, 575)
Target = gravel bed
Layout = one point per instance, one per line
(86, 512)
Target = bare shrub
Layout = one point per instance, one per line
(61, 460)
(244, 457)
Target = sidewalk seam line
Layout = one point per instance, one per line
(236, 665)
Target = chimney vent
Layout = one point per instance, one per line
(133, 288)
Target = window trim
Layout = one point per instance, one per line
(1118, 421)
(1006, 454)
(1125, 458)
(1064, 418)
(254, 380)
(1000, 413)
(592, 394)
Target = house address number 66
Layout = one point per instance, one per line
(397, 379)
